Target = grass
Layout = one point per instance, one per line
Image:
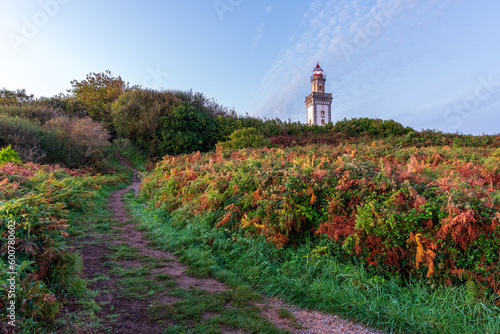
(326, 283)
(86, 318)
(196, 311)
(95, 223)
(136, 157)
(287, 314)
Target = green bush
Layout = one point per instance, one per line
(136, 116)
(24, 135)
(245, 138)
(187, 130)
(38, 113)
(7, 154)
(72, 142)
(375, 127)
(35, 202)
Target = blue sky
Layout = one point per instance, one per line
(427, 64)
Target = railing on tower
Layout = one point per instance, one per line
(324, 77)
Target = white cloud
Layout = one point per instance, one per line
(269, 9)
(256, 39)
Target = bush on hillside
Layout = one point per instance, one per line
(187, 130)
(136, 116)
(245, 138)
(97, 92)
(11, 98)
(79, 142)
(72, 142)
(24, 135)
(38, 113)
(64, 104)
(374, 127)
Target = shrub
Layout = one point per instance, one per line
(72, 142)
(136, 116)
(245, 138)
(375, 127)
(24, 136)
(35, 201)
(38, 113)
(78, 142)
(187, 130)
(97, 93)
(7, 154)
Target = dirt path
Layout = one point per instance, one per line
(140, 287)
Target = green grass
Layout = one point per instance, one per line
(123, 251)
(136, 157)
(325, 283)
(189, 312)
(96, 223)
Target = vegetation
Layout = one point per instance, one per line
(97, 93)
(7, 154)
(314, 275)
(366, 218)
(36, 201)
(136, 116)
(247, 137)
(72, 142)
(409, 214)
(8, 97)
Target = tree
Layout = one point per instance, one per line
(10, 97)
(136, 116)
(98, 92)
(187, 130)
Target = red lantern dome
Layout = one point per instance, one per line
(318, 71)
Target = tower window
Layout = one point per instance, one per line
(322, 113)
(323, 122)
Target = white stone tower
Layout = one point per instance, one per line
(318, 103)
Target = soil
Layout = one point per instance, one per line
(124, 315)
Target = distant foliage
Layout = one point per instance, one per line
(24, 135)
(64, 104)
(72, 142)
(7, 154)
(374, 127)
(13, 98)
(245, 138)
(187, 129)
(38, 113)
(137, 116)
(97, 92)
(78, 142)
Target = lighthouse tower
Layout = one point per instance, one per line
(318, 103)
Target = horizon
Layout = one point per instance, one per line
(428, 65)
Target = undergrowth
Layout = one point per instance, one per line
(312, 275)
(47, 205)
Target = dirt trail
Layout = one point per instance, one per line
(121, 314)
(129, 315)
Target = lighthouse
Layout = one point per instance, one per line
(318, 103)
